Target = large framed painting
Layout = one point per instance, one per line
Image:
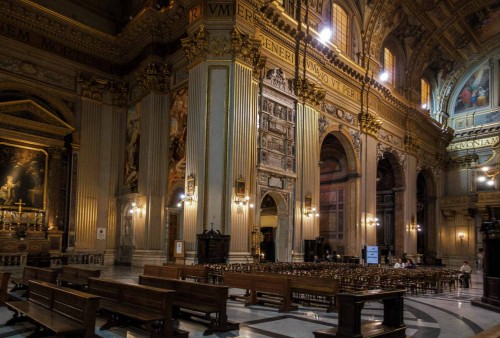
(475, 93)
(23, 176)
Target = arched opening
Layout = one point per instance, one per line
(333, 185)
(426, 206)
(268, 229)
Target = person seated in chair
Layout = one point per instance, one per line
(466, 270)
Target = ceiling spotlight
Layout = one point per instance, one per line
(384, 76)
(325, 35)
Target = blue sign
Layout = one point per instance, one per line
(372, 254)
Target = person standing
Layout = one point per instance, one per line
(466, 270)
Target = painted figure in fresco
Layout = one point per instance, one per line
(466, 95)
(8, 191)
(482, 98)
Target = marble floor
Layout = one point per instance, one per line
(446, 315)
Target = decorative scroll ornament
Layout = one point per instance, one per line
(369, 124)
(356, 138)
(196, 46)
(119, 92)
(412, 145)
(92, 87)
(154, 78)
(309, 92)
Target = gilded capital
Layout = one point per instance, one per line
(196, 46)
(309, 92)
(247, 49)
(92, 87)
(412, 145)
(119, 92)
(369, 124)
(154, 78)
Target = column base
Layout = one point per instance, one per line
(240, 257)
(154, 257)
(109, 257)
(298, 257)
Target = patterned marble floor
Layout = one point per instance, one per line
(446, 315)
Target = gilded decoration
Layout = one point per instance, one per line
(155, 77)
(247, 49)
(178, 128)
(412, 145)
(119, 93)
(356, 140)
(369, 124)
(309, 92)
(196, 46)
(219, 45)
(93, 87)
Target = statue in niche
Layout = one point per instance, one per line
(132, 148)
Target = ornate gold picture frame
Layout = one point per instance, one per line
(240, 187)
(190, 185)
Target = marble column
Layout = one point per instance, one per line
(149, 222)
(368, 195)
(410, 246)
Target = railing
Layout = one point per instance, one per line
(13, 259)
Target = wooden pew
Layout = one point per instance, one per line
(138, 303)
(198, 300)
(33, 273)
(77, 277)
(316, 290)
(57, 309)
(4, 286)
(198, 273)
(166, 271)
(255, 283)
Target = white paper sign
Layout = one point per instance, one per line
(101, 233)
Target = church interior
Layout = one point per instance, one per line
(239, 134)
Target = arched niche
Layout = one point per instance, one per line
(275, 229)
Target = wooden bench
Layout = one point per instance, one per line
(166, 271)
(129, 303)
(198, 300)
(4, 286)
(198, 273)
(57, 309)
(351, 325)
(33, 273)
(270, 284)
(322, 291)
(77, 277)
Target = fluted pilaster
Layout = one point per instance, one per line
(307, 173)
(242, 142)
(368, 195)
(152, 168)
(54, 194)
(88, 175)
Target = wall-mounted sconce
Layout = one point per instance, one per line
(461, 235)
(185, 200)
(373, 221)
(136, 209)
(416, 227)
(242, 201)
(311, 211)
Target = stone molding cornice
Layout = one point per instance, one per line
(412, 145)
(369, 124)
(462, 162)
(92, 87)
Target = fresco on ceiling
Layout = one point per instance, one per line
(475, 93)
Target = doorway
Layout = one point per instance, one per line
(268, 229)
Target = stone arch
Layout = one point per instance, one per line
(350, 186)
(283, 235)
(56, 103)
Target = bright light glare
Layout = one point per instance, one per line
(424, 106)
(491, 182)
(481, 178)
(384, 76)
(325, 35)
(485, 169)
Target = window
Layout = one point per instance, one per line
(425, 94)
(390, 66)
(340, 25)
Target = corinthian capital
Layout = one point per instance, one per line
(369, 124)
(154, 77)
(309, 92)
(92, 87)
(196, 45)
(412, 145)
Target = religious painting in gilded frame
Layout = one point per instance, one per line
(190, 185)
(240, 187)
(23, 176)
